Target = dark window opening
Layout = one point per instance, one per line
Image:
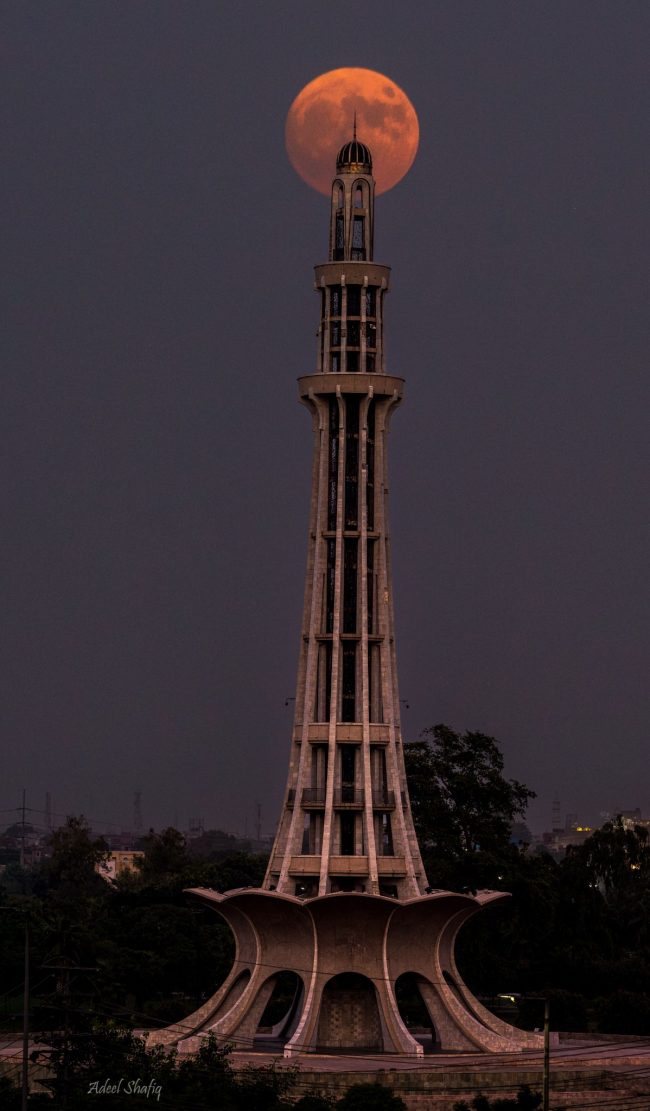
(348, 765)
(347, 884)
(370, 364)
(348, 830)
(354, 300)
(371, 301)
(370, 579)
(349, 681)
(312, 834)
(358, 246)
(339, 197)
(307, 887)
(358, 197)
(353, 333)
(385, 847)
(335, 333)
(374, 683)
(349, 586)
(370, 466)
(323, 683)
(339, 237)
(336, 362)
(336, 300)
(388, 889)
(379, 774)
(319, 767)
(353, 362)
(333, 464)
(352, 463)
(348, 773)
(371, 334)
(330, 586)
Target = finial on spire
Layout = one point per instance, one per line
(354, 126)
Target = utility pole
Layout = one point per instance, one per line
(63, 989)
(137, 812)
(22, 833)
(25, 1053)
(25, 1075)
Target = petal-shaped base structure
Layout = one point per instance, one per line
(347, 951)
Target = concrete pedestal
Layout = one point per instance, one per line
(347, 951)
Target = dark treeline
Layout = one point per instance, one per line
(139, 952)
(575, 931)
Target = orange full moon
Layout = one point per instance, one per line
(321, 117)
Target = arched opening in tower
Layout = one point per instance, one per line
(413, 1011)
(281, 1013)
(349, 1015)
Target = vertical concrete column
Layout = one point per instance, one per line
(336, 654)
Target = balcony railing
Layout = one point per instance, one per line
(383, 800)
(313, 796)
(349, 797)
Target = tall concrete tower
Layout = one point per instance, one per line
(345, 909)
(346, 824)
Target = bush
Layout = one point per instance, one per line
(313, 1103)
(370, 1097)
(526, 1100)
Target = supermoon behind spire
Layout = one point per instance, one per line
(318, 126)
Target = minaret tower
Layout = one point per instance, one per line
(346, 823)
(345, 907)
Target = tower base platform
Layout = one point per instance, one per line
(348, 952)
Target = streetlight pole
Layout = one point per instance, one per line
(25, 1055)
(547, 1056)
(25, 1076)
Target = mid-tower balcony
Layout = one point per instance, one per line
(382, 799)
(313, 798)
(393, 866)
(349, 798)
(348, 865)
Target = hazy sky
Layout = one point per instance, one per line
(158, 308)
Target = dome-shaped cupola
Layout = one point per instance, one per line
(354, 158)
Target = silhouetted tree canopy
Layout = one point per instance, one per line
(461, 801)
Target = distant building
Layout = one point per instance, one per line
(117, 863)
(631, 819)
(557, 841)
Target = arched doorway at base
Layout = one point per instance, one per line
(282, 1012)
(349, 1015)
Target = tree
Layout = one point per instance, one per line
(166, 858)
(461, 801)
(72, 867)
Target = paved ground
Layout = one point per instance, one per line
(597, 1074)
(586, 1075)
(619, 1053)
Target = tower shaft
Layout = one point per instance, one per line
(346, 823)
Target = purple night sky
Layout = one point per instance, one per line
(158, 307)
